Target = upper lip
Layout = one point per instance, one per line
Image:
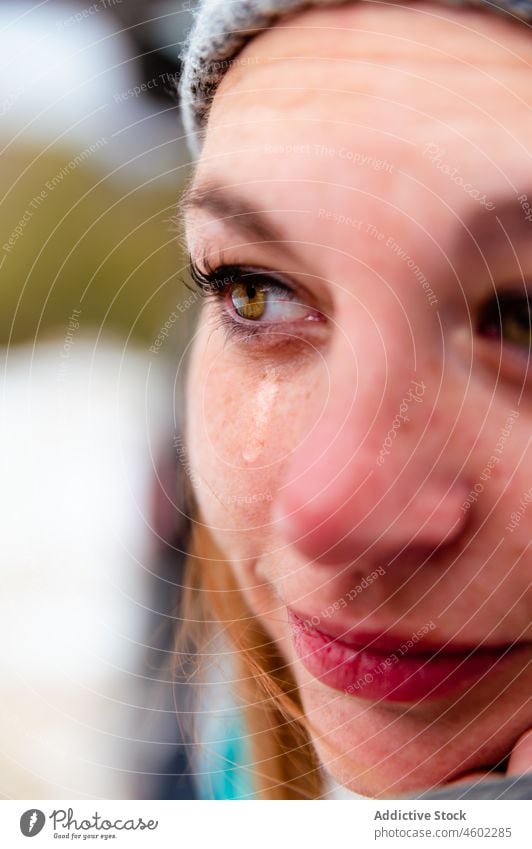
(388, 641)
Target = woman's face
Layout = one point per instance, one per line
(359, 416)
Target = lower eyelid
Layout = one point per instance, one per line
(511, 363)
(274, 336)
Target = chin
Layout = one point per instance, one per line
(376, 775)
(399, 750)
(376, 780)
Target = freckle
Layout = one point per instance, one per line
(261, 413)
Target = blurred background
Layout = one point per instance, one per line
(94, 318)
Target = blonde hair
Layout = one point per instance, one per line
(285, 765)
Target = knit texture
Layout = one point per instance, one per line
(221, 29)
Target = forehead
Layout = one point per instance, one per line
(413, 64)
(414, 118)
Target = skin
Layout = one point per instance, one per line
(283, 439)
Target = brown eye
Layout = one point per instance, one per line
(259, 298)
(508, 318)
(249, 300)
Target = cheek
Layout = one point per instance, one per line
(508, 524)
(245, 416)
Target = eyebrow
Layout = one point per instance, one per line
(232, 207)
(485, 231)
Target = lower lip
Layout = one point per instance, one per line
(391, 676)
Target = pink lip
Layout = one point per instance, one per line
(379, 667)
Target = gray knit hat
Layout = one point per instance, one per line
(223, 27)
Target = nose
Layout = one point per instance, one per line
(378, 474)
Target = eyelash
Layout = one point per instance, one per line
(213, 284)
(493, 311)
(495, 317)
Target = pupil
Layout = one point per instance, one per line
(251, 291)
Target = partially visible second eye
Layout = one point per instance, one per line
(508, 318)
